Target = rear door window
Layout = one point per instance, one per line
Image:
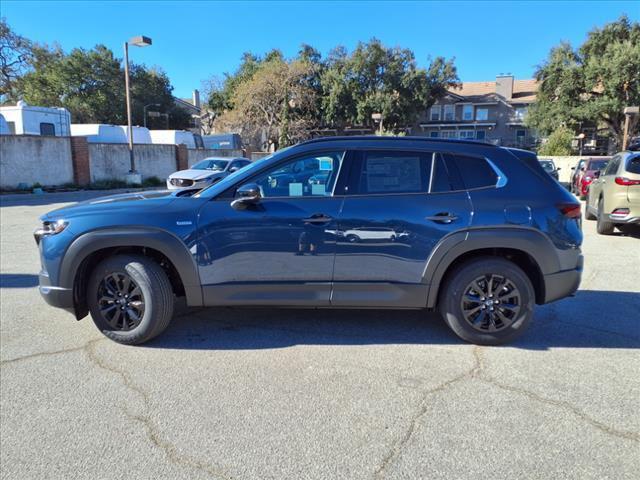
(475, 172)
(390, 172)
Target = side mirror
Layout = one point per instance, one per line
(248, 194)
(559, 168)
(573, 168)
(233, 169)
(596, 174)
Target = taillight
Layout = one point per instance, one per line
(626, 181)
(620, 212)
(570, 210)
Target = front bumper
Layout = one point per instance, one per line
(564, 283)
(55, 296)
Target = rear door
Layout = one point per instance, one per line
(397, 207)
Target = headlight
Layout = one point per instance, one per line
(49, 228)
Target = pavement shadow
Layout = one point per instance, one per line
(591, 319)
(18, 280)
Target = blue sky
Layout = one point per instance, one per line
(195, 40)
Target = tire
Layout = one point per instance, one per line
(516, 289)
(150, 298)
(603, 226)
(587, 214)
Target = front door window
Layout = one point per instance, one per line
(310, 176)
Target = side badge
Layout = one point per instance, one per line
(184, 222)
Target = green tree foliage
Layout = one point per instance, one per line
(89, 83)
(15, 55)
(343, 90)
(558, 143)
(591, 84)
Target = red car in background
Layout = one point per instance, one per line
(586, 175)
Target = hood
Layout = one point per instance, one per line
(195, 174)
(127, 202)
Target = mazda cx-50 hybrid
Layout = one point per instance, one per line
(483, 234)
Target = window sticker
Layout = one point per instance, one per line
(326, 164)
(392, 174)
(317, 189)
(295, 189)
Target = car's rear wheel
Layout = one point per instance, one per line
(487, 301)
(587, 214)
(130, 298)
(603, 226)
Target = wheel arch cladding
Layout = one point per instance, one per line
(531, 250)
(132, 239)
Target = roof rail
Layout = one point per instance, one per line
(380, 138)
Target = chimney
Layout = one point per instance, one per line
(196, 98)
(504, 86)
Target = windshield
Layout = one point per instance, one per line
(243, 172)
(547, 165)
(210, 165)
(597, 164)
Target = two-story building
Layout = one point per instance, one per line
(488, 111)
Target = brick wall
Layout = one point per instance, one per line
(80, 160)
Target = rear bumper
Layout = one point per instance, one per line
(564, 283)
(56, 296)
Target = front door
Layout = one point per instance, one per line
(398, 206)
(280, 250)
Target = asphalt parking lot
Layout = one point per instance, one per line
(266, 393)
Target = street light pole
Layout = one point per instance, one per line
(133, 176)
(132, 170)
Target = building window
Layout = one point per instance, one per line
(435, 113)
(467, 134)
(481, 135)
(520, 113)
(449, 112)
(449, 134)
(48, 129)
(12, 127)
(434, 134)
(520, 136)
(467, 112)
(482, 114)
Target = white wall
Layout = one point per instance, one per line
(34, 159)
(565, 163)
(111, 161)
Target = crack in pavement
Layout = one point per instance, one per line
(400, 444)
(50, 353)
(566, 405)
(152, 431)
(478, 372)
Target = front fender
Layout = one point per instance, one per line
(161, 240)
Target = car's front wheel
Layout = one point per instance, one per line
(130, 298)
(487, 301)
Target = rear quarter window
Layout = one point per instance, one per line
(633, 164)
(475, 172)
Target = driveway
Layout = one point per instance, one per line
(267, 393)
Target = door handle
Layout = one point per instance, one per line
(444, 217)
(317, 218)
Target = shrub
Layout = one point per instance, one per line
(558, 143)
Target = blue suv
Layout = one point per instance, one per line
(477, 232)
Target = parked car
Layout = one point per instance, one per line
(550, 168)
(613, 198)
(575, 174)
(587, 174)
(205, 172)
(486, 234)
